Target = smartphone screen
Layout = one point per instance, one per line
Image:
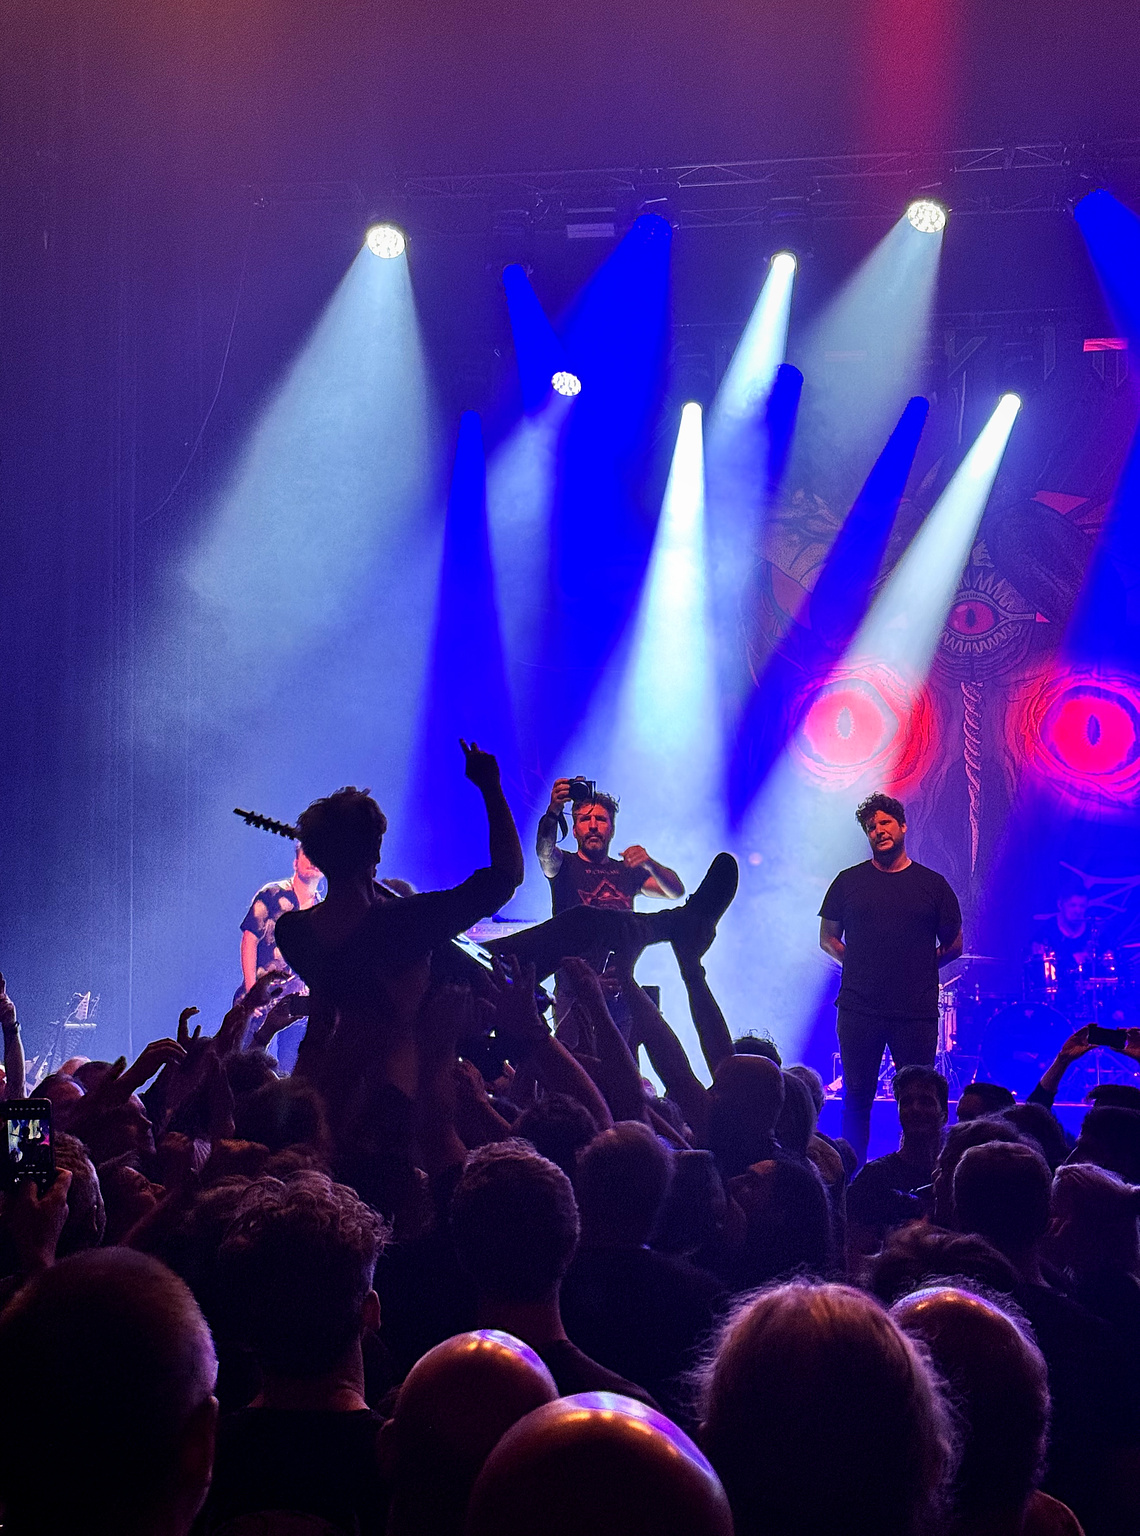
(1114, 1039)
(28, 1151)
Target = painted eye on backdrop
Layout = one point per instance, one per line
(1092, 731)
(972, 616)
(864, 722)
(1083, 731)
(849, 725)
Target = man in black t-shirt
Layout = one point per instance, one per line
(890, 923)
(589, 877)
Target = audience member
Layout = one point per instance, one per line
(453, 1408)
(823, 1419)
(1110, 1138)
(1094, 1237)
(597, 1463)
(980, 1098)
(1001, 1397)
(515, 1227)
(107, 1375)
(296, 1269)
(918, 1254)
(1002, 1192)
(638, 1312)
(973, 1133)
(1041, 1126)
(878, 1197)
(557, 1127)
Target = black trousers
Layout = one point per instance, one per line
(862, 1040)
(586, 931)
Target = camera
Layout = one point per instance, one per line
(582, 791)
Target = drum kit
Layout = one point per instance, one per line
(992, 1029)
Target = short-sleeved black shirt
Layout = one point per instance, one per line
(580, 882)
(892, 924)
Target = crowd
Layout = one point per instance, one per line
(452, 1276)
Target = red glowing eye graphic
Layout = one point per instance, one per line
(972, 617)
(862, 723)
(1093, 732)
(849, 724)
(1084, 734)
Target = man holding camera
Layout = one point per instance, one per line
(589, 877)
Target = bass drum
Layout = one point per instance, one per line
(1019, 1043)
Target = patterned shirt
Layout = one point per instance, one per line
(261, 920)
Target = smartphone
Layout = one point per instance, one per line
(28, 1149)
(1114, 1039)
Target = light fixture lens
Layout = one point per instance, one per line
(927, 216)
(566, 383)
(385, 240)
(784, 261)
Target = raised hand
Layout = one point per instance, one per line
(287, 1010)
(152, 1058)
(516, 1012)
(635, 856)
(7, 1007)
(184, 1035)
(35, 1221)
(482, 768)
(266, 989)
(1078, 1043)
(559, 796)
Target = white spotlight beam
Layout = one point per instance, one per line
(902, 628)
(760, 351)
(802, 833)
(652, 734)
(738, 462)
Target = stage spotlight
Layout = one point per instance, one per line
(784, 263)
(927, 216)
(385, 240)
(566, 383)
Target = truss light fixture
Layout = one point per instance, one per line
(566, 383)
(385, 240)
(927, 216)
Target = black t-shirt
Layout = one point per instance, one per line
(873, 1199)
(318, 1464)
(643, 1314)
(581, 883)
(892, 924)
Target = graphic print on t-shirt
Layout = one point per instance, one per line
(579, 882)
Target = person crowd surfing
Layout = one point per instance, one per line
(464, 1273)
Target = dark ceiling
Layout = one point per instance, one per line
(363, 89)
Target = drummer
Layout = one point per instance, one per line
(1068, 933)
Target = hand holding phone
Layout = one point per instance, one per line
(28, 1150)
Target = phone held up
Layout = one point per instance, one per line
(28, 1149)
(1114, 1039)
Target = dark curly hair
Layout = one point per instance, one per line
(343, 832)
(869, 807)
(297, 1263)
(607, 802)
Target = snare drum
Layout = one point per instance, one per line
(1040, 977)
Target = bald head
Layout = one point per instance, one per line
(456, 1403)
(599, 1463)
(1001, 1390)
(111, 1345)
